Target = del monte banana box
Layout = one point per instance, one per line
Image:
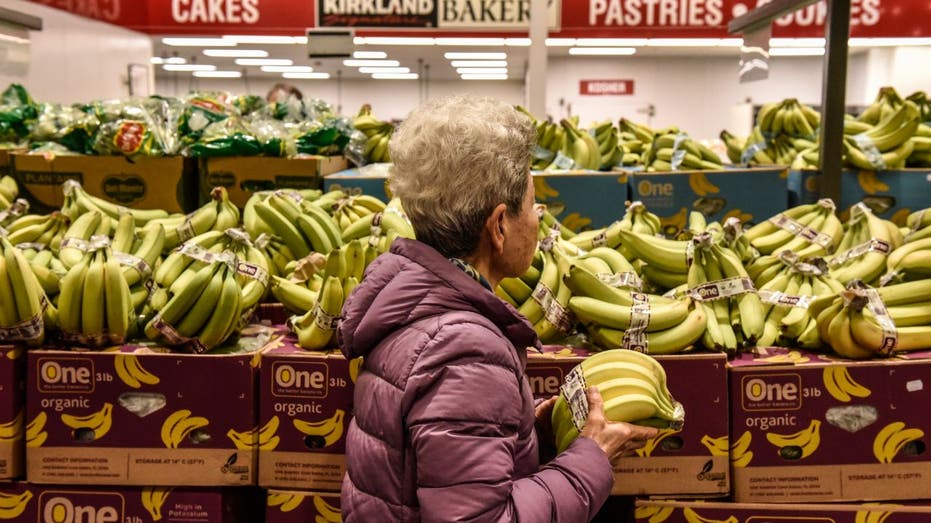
(298, 506)
(749, 194)
(28, 502)
(808, 428)
(141, 416)
(304, 409)
(243, 175)
(12, 410)
(168, 183)
(692, 461)
(720, 512)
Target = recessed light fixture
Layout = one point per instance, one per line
(306, 76)
(371, 70)
(261, 39)
(497, 42)
(287, 68)
(158, 60)
(560, 42)
(371, 63)
(189, 67)
(482, 70)
(198, 42)
(608, 42)
(479, 63)
(376, 55)
(517, 42)
(475, 56)
(886, 42)
(263, 61)
(796, 51)
(393, 40)
(684, 42)
(484, 77)
(395, 76)
(602, 51)
(217, 74)
(235, 53)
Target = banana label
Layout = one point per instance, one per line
(573, 390)
(69, 375)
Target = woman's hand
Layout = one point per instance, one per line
(616, 439)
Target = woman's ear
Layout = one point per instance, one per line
(496, 227)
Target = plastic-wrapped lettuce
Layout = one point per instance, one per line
(327, 137)
(229, 137)
(137, 127)
(68, 125)
(200, 111)
(127, 137)
(247, 104)
(17, 112)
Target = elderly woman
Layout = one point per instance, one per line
(444, 426)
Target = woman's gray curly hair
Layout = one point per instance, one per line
(455, 159)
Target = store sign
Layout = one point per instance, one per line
(606, 87)
(440, 14)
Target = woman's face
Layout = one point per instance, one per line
(520, 242)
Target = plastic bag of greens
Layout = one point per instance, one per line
(327, 137)
(127, 137)
(49, 148)
(275, 136)
(17, 112)
(247, 104)
(15, 94)
(67, 125)
(227, 138)
(200, 111)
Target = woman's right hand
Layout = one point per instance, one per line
(616, 439)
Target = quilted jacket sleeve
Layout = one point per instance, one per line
(468, 423)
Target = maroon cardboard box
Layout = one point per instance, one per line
(679, 463)
(12, 405)
(44, 503)
(141, 416)
(305, 404)
(300, 506)
(697, 511)
(823, 429)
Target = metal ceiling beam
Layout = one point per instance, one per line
(21, 20)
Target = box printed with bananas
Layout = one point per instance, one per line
(62, 504)
(305, 404)
(806, 427)
(691, 459)
(649, 511)
(12, 410)
(244, 176)
(298, 506)
(141, 416)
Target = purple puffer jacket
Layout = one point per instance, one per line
(443, 426)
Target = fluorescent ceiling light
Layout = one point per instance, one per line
(484, 77)
(189, 67)
(560, 42)
(497, 42)
(797, 51)
(158, 60)
(287, 68)
(217, 74)
(198, 42)
(607, 42)
(369, 70)
(602, 51)
(370, 54)
(394, 40)
(260, 39)
(264, 61)
(888, 42)
(307, 76)
(517, 42)
(475, 56)
(684, 42)
(479, 63)
(796, 42)
(236, 53)
(482, 70)
(395, 76)
(731, 42)
(371, 63)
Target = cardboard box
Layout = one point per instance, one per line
(752, 195)
(580, 199)
(5, 162)
(299, 506)
(679, 463)
(130, 505)
(12, 410)
(138, 417)
(168, 183)
(695, 511)
(243, 175)
(819, 429)
(305, 407)
(271, 314)
(892, 195)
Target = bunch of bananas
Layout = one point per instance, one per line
(95, 304)
(909, 262)
(609, 146)
(380, 229)
(719, 281)
(25, 312)
(789, 118)
(672, 150)
(888, 144)
(302, 225)
(39, 231)
(276, 252)
(808, 230)
(863, 322)
(349, 210)
(551, 138)
(78, 202)
(632, 386)
(342, 272)
(299, 291)
(47, 268)
(580, 147)
(8, 191)
(16, 210)
(663, 262)
(218, 214)
(378, 134)
(887, 102)
(862, 252)
(637, 218)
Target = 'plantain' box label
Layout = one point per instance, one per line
(650, 511)
(752, 195)
(168, 183)
(304, 411)
(300, 506)
(808, 428)
(141, 416)
(692, 461)
(244, 175)
(70, 504)
(12, 410)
